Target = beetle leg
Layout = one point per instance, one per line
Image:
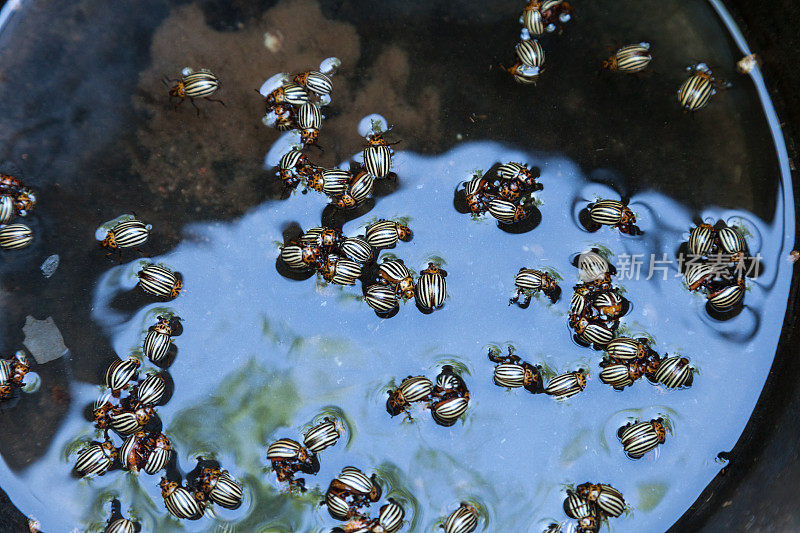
(214, 100)
(191, 100)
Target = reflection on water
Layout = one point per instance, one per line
(262, 356)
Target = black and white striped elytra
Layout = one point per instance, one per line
(321, 436)
(337, 506)
(128, 233)
(607, 212)
(283, 449)
(309, 117)
(617, 375)
(448, 380)
(357, 249)
(292, 255)
(6, 208)
(701, 239)
(575, 506)
(200, 84)
(727, 298)
(509, 375)
(381, 298)
(566, 385)
(674, 372)
(697, 274)
(529, 279)
(695, 93)
(382, 234)
(431, 290)
(632, 58)
(597, 334)
(95, 460)
(313, 236)
(124, 423)
(345, 272)
(390, 516)
(159, 281)
(159, 456)
(447, 412)
(290, 159)
(182, 504)
(510, 171)
(624, 349)
(393, 270)
(731, 240)
(462, 520)
(316, 82)
(638, 439)
(610, 501)
(156, 345)
(335, 181)
(530, 53)
(15, 236)
(362, 186)
(378, 160)
(227, 491)
(577, 304)
(151, 390)
(356, 480)
(416, 388)
(503, 210)
(120, 525)
(592, 266)
(5, 372)
(294, 94)
(120, 372)
(532, 20)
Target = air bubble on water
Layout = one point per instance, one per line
(273, 83)
(330, 65)
(186, 71)
(525, 35)
(270, 119)
(285, 143)
(527, 70)
(31, 382)
(550, 28)
(325, 99)
(372, 124)
(102, 231)
(645, 45)
(50, 265)
(565, 17)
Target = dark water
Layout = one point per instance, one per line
(261, 356)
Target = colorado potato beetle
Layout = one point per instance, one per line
(462, 520)
(159, 281)
(431, 289)
(127, 234)
(566, 385)
(179, 501)
(15, 236)
(630, 59)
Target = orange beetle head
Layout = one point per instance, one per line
(404, 233)
(178, 91)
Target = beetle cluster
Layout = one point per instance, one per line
(591, 504)
(505, 193)
(462, 520)
(612, 213)
(15, 200)
(288, 457)
(630, 359)
(12, 375)
(537, 18)
(296, 103)
(448, 399)
(596, 306)
(717, 265)
(638, 438)
(348, 496)
(529, 282)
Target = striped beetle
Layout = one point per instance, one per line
(529, 281)
(120, 525)
(382, 299)
(151, 390)
(357, 249)
(120, 373)
(321, 436)
(127, 234)
(96, 459)
(378, 159)
(221, 488)
(395, 273)
(674, 372)
(731, 241)
(390, 516)
(530, 53)
(608, 499)
(337, 506)
(340, 271)
(314, 81)
(524, 74)
(613, 213)
(158, 340)
(201, 84)
(447, 411)
(15, 236)
(159, 454)
(159, 281)
(630, 59)
(361, 187)
(701, 239)
(333, 182)
(514, 372)
(385, 234)
(431, 289)
(309, 120)
(179, 501)
(125, 422)
(412, 389)
(727, 298)
(590, 332)
(506, 212)
(462, 520)
(133, 451)
(625, 349)
(695, 93)
(577, 507)
(619, 375)
(642, 437)
(566, 385)
(7, 210)
(289, 93)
